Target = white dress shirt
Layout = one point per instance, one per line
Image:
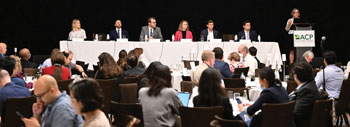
(250, 62)
(246, 35)
(210, 35)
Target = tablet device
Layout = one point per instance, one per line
(184, 97)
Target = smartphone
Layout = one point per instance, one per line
(20, 115)
(238, 101)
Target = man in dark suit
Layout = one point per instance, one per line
(25, 56)
(304, 95)
(220, 64)
(247, 33)
(209, 33)
(118, 33)
(133, 61)
(151, 30)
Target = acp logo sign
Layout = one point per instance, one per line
(303, 37)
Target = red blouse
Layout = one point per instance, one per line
(178, 35)
(49, 71)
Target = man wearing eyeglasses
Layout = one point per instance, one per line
(52, 108)
(9, 89)
(151, 31)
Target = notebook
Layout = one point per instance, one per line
(184, 97)
(245, 117)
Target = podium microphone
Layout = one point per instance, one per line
(323, 41)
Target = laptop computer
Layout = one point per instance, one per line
(184, 98)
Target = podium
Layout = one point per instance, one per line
(304, 38)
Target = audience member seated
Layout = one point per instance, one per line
(87, 99)
(122, 60)
(234, 61)
(52, 108)
(208, 59)
(8, 64)
(304, 95)
(57, 70)
(134, 70)
(272, 92)
(108, 69)
(248, 60)
(9, 90)
(307, 57)
(220, 64)
(72, 66)
(17, 72)
(3, 49)
(25, 56)
(145, 76)
(48, 61)
(139, 53)
(332, 74)
(211, 93)
(253, 51)
(183, 31)
(160, 103)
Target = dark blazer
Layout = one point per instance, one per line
(304, 98)
(273, 94)
(113, 34)
(134, 71)
(223, 101)
(204, 34)
(252, 35)
(28, 64)
(224, 68)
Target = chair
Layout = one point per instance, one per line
(187, 63)
(283, 111)
(38, 59)
(234, 83)
(186, 78)
(123, 111)
(239, 71)
(321, 115)
(21, 105)
(108, 87)
(63, 84)
(229, 123)
(256, 72)
(187, 86)
(228, 37)
(30, 71)
(132, 79)
(291, 86)
(128, 92)
(343, 103)
(81, 63)
(101, 37)
(199, 116)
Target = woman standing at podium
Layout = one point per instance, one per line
(290, 29)
(183, 31)
(76, 32)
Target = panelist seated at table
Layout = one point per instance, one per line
(209, 33)
(247, 33)
(272, 92)
(211, 93)
(118, 32)
(151, 31)
(183, 31)
(77, 31)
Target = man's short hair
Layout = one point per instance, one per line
(3, 74)
(252, 51)
(330, 57)
(207, 54)
(8, 64)
(308, 54)
(219, 53)
(245, 22)
(24, 53)
(131, 59)
(303, 71)
(149, 19)
(210, 21)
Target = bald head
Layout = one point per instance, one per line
(4, 77)
(3, 48)
(24, 54)
(46, 82)
(243, 49)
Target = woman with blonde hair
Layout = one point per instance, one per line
(183, 31)
(18, 67)
(76, 32)
(234, 61)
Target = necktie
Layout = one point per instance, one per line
(118, 36)
(151, 34)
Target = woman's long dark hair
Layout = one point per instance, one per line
(159, 79)
(108, 65)
(150, 69)
(210, 89)
(58, 60)
(268, 74)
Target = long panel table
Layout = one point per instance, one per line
(169, 53)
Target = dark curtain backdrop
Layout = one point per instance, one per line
(40, 24)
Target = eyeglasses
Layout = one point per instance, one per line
(42, 94)
(154, 22)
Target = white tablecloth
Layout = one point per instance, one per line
(169, 53)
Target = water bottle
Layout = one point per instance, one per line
(236, 38)
(259, 38)
(242, 76)
(107, 37)
(245, 95)
(96, 37)
(146, 38)
(172, 38)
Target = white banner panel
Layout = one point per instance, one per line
(304, 38)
